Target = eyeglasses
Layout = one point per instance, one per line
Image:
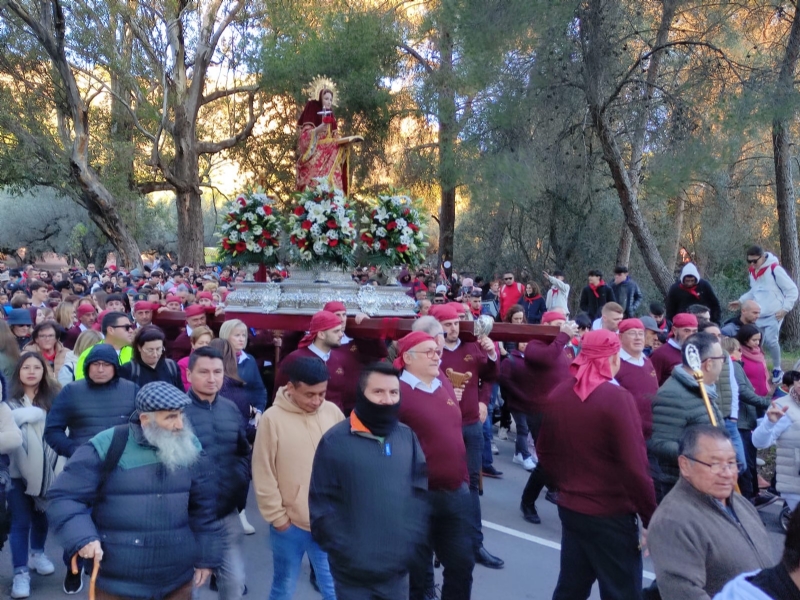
(508, 279)
(153, 351)
(717, 468)
(125, 327)
(431, 354)
(50, 336)
(752, 261)
(715, 358)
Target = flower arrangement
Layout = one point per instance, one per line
(393, 233)
(251, 230)
(321, 226)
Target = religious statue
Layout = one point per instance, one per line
(321, 152)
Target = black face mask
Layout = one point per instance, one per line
(380, 419)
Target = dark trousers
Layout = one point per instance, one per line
(536, 482)
(602, 549)
(449, 537)
(748, 480)
(395, 588)
(473, 440)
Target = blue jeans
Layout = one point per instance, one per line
(487, 457)
(27, 523)
(736, 439)
(521, 444)
(288, 548)
(230, 574)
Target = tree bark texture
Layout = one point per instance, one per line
(447, 139)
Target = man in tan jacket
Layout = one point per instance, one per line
(283, 454)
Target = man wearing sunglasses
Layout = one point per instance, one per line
(118, 330)
(775, 292)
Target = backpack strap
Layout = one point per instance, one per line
(172, 367)
(135, 372)
(113, 455)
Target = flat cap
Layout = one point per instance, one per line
(159, 395)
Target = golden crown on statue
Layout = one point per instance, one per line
(319, 83)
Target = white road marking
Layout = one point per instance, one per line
(538, 540)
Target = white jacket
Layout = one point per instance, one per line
(774, 290)
(741, 589)
(557, 295)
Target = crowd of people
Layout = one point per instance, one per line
(136, 418)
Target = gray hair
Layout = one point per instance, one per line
(429, 325)
(687, 446)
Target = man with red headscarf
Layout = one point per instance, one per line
(324, 341)
(667, 356)
(432, 412)
(595, 443)
(181, 346)
(371, 350)
(636, 372)
(480, 359)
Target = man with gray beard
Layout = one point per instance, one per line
(154, 513)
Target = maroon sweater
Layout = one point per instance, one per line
(515, 383)
(664, 359)
(344, 367)
(549, 366)
(469, 356)
(596, 453)
(436, 420)
(641, 382)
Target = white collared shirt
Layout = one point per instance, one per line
(82, 327)
(454, 348)
(189, 331)
(416, 383)
(319, 352)
(242, 357)
(673, 343)
(345, 339)
(639, 362)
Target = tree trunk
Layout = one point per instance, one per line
(784, 183)
(447, 137)
(190, 237)
(680, 211)
(624, 248)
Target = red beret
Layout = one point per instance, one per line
(322, 321)
(444, 312)
(145, 306)
(173, 298)
(335, 307)
(404, 344)
(99, 322)
(684, 320)
(206, 295)
(194, 310)
(552, 315)
(627, 324)
(85, 309)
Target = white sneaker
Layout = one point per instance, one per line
(527, 463)
(248, 529)
(495, 449)
(502, 434)
(39, 562)
(21, 588)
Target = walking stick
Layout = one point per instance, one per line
(695, 364)
(93, 580)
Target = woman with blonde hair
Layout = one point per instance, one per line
(85, 340)
(65, 315)
(201, 337)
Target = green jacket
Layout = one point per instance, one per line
(677, 405)
(749, 401)
(125, 356)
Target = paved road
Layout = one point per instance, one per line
(530, 551)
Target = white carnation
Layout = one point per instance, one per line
(234, 236)
(316, 229)
(319, 247)
(380, 232)
(258, 230)
(407, 231)
(401, 222)
(376, 245)
(332, 234)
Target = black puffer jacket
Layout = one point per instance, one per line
(155, 525)
(86, 408)
(219, 427)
